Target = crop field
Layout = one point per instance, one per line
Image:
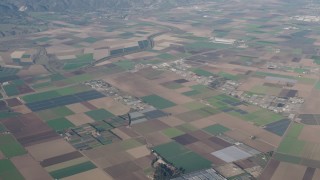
(216, 129)
(291, 147)
(60, 124)
(10, 147)
(54, 93)
(158, 102)
(99, 114)
(179, 156)
(260, 117)
(68, 171)
(8, 171)
(54, 113)
(172, 132)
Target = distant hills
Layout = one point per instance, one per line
(13, 6)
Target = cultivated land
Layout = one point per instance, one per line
(205, 86)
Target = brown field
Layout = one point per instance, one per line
(118, 172)
(229, 170)
(33, 70)
(316, 174)
(269, 170)
(250, 83)
(88, 105)
(204, 122)
(311, 104)
(97, 174)
(120, 133)
(111, 105)
(29, 168)
(61, 158)
(157, 138)
(101, 156)
(21, 109)
(171, 121)
(139, 152)
(288, 171)
(149, 126)
(136, 84)
(310, 134)
(52, 148)
(79, 119)
(29, 129)
(78, 108)
(13, 102)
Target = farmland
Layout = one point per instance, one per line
(207, 87)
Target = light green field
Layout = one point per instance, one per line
(172, 132)
(216, 129)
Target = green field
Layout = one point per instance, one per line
(68, 171)
(260, 117)
(81, 60)
(190, 162)
(60, 124)
(2, 128)
(6, 114)
(125, 64)
(202, 72)
(194, 105)
(228, 76)
(129, 144)
(90, 40)
(8, 171)
(54, 113)
(180, 156)
(158, 102)
(55, 93)
(172, 85)
(166, 56)
(216, 129)
(260, 89)
(316, 59)
(191, 93)
(317, 86)
(99, 114)
(10, 147)
(172, 132)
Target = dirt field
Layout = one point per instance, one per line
(288, 171)
(97, 174)
(120, 133)
(78, 108)
(21, 109)
(310, 134)
(111, 105)
(136, 84)
(29, 129)
(29, 168)
(139, 152)
(311, 104)
(79, 119)
(204, 122)
(53, 148)
(171, 121)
